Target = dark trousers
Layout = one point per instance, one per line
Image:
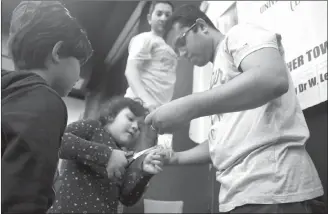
(311, 206)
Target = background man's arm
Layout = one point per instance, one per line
(140, 48)
(133, 76)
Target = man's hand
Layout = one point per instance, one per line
(172, 159)
(116, 165)
(168, 155)
(152, 163)
(168, 117)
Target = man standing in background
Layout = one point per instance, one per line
(151, 65)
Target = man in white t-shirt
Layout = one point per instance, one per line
(151, 65)
(258, 134)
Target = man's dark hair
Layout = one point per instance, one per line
(186, 16)
(36, 26)
(154, 3)
(114, 106)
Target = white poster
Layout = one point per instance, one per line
(303, 27)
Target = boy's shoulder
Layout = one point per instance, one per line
(26, 91)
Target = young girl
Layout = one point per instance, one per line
(94, 153)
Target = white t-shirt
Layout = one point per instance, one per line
(259, 154)
(158, 73)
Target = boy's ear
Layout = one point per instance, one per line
(203, 25)
(55, 52)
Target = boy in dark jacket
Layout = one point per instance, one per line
(48, 47)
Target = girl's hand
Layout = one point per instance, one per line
(153, 163)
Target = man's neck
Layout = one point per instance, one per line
(217, 38)
(160, 34)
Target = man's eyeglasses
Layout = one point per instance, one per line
(181, 41)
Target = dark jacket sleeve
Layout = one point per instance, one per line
(33, 125)
(76, 146)
(135, 183)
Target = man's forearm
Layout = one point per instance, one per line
(198, 155)
(247, 91)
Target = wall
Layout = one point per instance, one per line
(6, 62)
(75, 108)
(316, 118)
(199, 127)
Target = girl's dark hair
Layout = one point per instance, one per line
(36, 26)
(114, 106)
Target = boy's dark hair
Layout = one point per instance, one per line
(186, 16)
(115, 105)
(36, 26)
(154, 3)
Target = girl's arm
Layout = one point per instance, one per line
(135, 183)
(76, 146)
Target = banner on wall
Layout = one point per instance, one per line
(303, 27)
